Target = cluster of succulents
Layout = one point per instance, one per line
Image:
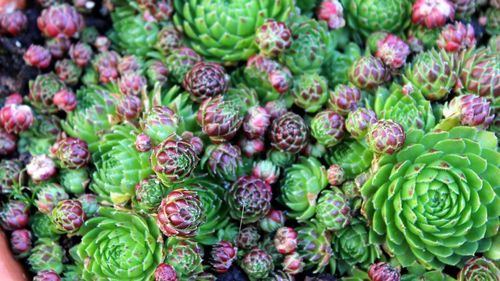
(276, 140)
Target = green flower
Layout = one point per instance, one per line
(435, 201)
(120, 166)
(225, 30)
(301, 186)
(411, 110)
(120, 245)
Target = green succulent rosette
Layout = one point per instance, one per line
(333, 210)
(185, 256)
(40, 136)
(336, 68)
(120, 166)
(418, 272)
(432, 73)
(211, 194)
(74, 180)
(428, 36)
(120, 245)
(368, 16)
(410, 110)
(301, 186)
(311, 47)
(90, 120)
(42, 92)
(352, 247)
(314, 246)
(46, 255)
(310, 92)
(131, 32)
(479, 269)
(225, 30)
(436, 201)
(353, 156)
(42, 226)
(184, 108)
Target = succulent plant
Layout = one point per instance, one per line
(369, 16)
(273, 38)
(393, 51)
(65, 100)
(42, 227)
(42, 91)
(223, 161)
(81, 53)
(256, 122)
(433, 74)
(237, 21)
(456, 37)
(174, 159)
(132, 83)
(181, 213)
(464, 8)
(46, 255)
(310, 92)
(148, 195)
(352, 247)
(165, 272)
(479, 73)
(185, 256)
(289, 133)
(382, 271)
(58, 47)
(16, 118)
(74, 180)
(222, 256)
(257, 264)
(10, 170)
(219, 118)
(332, 12)
(37, 56)
(71, 153)
(206, 80)
(248, 237)
(327, 127)
(333, 210)
(479, 269)
(386, 137)
(410, 109)
(60, 21)
(301, 186)
(336, 68)
(314, 246)
(20, 242)
(14, 215)
(68, 216)
(120, 166)
(359, 121)
(285, 240)
(353, 156)
(249, 199)
(492, 22)
(310, 46)
(432, 13)
(368, 73)
(13, 23)
(272, 221)
(466, 110)
(49, 196)
(68, 71)
(268, 77)
(107, 257)
(47, 275)
(430, 157)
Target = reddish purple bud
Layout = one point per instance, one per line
(16, 118)
(41, 168)
(20, 242)
(383, 272)
(143, 143)
(432, 13)
(285, 240)
(128, 64)
(256, 122)
(13, 23)
(251, 147)
(14, 215)
(222, 256)
(47, 275)
(293, 263)
(165, 272)
(392, 51)
(58, 47)
(332, 12)
(60, 21)
(15, 98)
(7, 142)
(81, 54)
(336, 175)
(65, 100)
(129, 108)
(456, 37)
(102, 43)
(196, 142)
(37, 56)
